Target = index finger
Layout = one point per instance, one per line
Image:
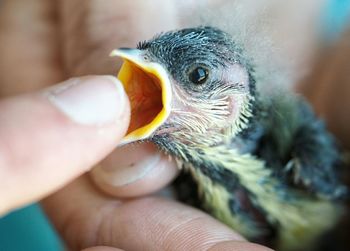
(143, 224)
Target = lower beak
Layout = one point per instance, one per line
(148, 88)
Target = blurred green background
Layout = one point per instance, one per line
(28, 229)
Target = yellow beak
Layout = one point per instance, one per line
(148, 88)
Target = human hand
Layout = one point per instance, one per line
(52, 146)
(328, 87)
(50, 137)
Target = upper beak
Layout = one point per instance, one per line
(148, 87)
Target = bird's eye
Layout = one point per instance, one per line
(198, 75)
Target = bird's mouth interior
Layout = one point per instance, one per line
(147, 87)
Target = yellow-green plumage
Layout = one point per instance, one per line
(301, 219)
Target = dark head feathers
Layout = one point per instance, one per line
(199, 42)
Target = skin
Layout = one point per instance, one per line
(322, 87)
(73, 46)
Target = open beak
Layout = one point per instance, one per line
(148, 88)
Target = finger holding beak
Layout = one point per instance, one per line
(139, 169)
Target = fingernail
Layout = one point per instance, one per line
(128, 165)
(128, 174)
(93, 100)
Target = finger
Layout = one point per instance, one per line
(29, 53)
(328, 88)
(158, 224)
(134, 170)
(49, 138)
(90, 32)
(238, 246)
(100, 248)
(168, 225)
(92, 29)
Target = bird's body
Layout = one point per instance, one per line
(280, 191)
(262, 164)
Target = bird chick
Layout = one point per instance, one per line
(262, 164)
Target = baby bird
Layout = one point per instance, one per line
(262, 164)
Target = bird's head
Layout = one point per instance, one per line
(192, 86)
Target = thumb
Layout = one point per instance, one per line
(50, 137)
